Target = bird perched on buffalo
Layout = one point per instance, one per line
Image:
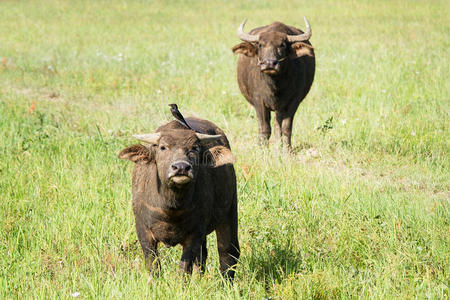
(177, 115)
(183, 188)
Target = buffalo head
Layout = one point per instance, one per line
(178, 155)
(273, 49)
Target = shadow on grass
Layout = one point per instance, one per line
(275, 263)
(296, 149)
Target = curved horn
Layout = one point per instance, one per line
(151, 138)
(301, 37)
(245, 36)
(207, 138)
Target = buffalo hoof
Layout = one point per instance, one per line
(263, 140)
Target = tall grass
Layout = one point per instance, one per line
(361, 209)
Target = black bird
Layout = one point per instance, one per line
(176, 113)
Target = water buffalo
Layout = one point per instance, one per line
(275, 73)
(183, 188)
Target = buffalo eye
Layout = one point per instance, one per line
(193, 152)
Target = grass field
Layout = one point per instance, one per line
(360, 209)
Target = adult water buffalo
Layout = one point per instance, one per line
(275, 72)
(184, 187)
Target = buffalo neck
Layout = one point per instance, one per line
(279, 82)
(177, 198)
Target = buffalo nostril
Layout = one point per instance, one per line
(271, 63)
(181, 167)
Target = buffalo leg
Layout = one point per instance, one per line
(149, 246)
(200, 263)
(278, 124)
(228, 246)
(192, 254)
(286, 130)
(263, 115)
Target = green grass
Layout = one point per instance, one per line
(361, 209)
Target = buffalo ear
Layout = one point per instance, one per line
(218, 156)
(245, 48)
(137, 153)
(301, 49)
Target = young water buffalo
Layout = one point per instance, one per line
(275, 73)
(184, 187)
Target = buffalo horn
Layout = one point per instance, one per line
(207, 138)
(301, 37)
(151, 138)
(245, 36)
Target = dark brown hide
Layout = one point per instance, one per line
(184, 208)
(275, 75)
